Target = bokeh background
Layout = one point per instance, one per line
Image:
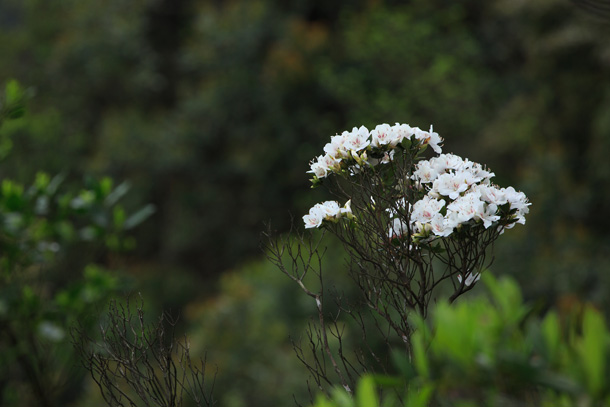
(213, 109)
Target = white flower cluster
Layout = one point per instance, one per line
(355, 146)
(327, 211)
(458, 192)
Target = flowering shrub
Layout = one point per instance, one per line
(413, 227)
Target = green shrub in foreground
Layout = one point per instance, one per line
(492, 351)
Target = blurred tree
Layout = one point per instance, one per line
(210, 106)
(39, 299)
(213, 108)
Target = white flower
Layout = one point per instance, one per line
(517, 200)
(442, 226)
(425, 172)
(434, 194)
(330, 209)
(446, 162)
(425, 209)
(336, 147)
(387, 157)
(470, 278)
(469, 177)
(382, 135)
(467, 207)
(429, 137)
(452, 220)
(398, 228)
(451, 185)
(324, 165)
(314, 218)
(347, 210)
(318, 169)
(492, 195)
(520, 218)
(479, 173)
(488, 215)
(401, 132)
(357, 140)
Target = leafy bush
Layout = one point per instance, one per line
(39, 299)
(494, 350)
(410, 228)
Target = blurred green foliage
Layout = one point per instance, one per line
(249, 330)
(39, 299)
(209, 107)
(245, 330)
(212, 110)
(494, 351)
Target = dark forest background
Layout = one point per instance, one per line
(211, 110)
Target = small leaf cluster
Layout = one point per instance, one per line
(12, 106)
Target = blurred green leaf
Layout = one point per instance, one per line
(419, 397)
(115, 195)
(139, 216)
(366, 393)
(119, 216)
(552, 335)
(340, 398)
(13, 92)
(592, 350)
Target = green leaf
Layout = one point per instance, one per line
(42, 181)
(15, 111)
(558, 382)
(420, 359)
(387, 381)
(322, 401)
(13, 92)
(341, 398)
(419, 397)
(6, 145)
(422, 148)
(315, 182)
(366, 395)
(14, 96)
(105, 186)
(113, 242)
(552, 335)
(406, 143)
(402, 364)
(592, 349)
(507, 295)
(119, 216)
